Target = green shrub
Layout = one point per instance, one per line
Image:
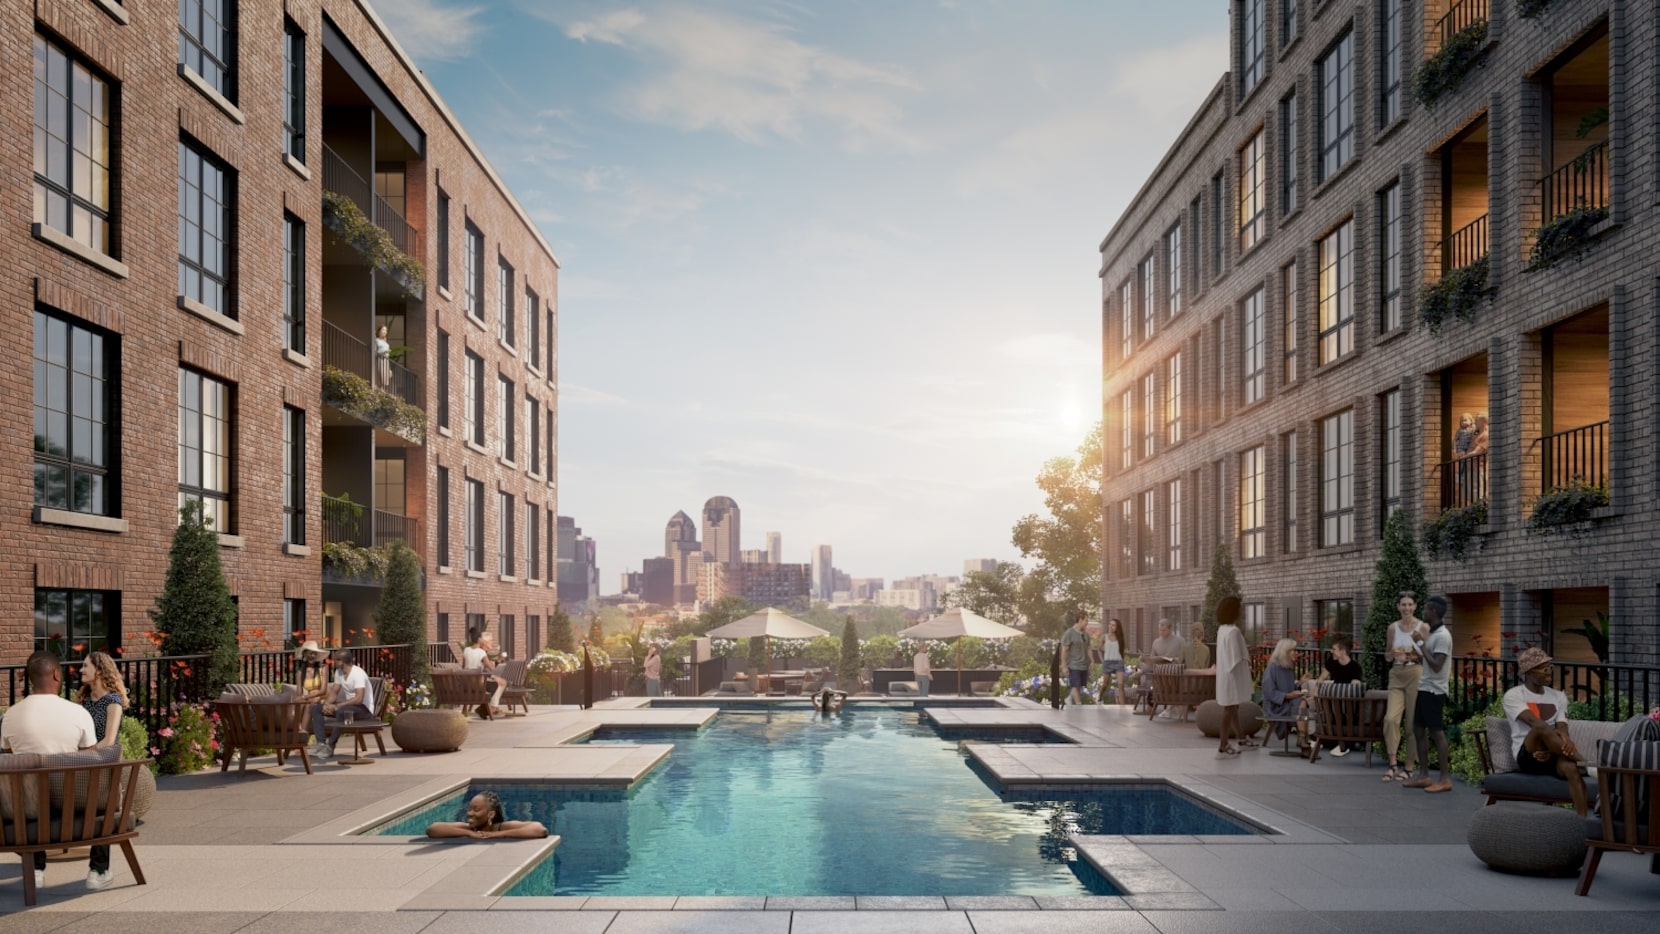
(1566, 508)
(355, 395)
(188, 743)
(346, 220)
(1449, 534)
(134, 740)
(1444, 72)
(1531, 9)
(194, 612)
(1566, 237)
(1454, 296)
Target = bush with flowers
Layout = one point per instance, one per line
(1036, 688)
(188, 743)
(401, 697)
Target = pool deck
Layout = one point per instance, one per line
(268, 851)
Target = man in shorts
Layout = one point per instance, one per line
(1538, 715)
(1428, 716)
(1075, 652)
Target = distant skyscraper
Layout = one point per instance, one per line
(578, 566)
(824, 577)
(754, 556)
(775, 547)
(983, 565)
(657, 581)
(720, 530)
(681, 528)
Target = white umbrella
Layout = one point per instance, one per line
(956, 623)
(768, 623)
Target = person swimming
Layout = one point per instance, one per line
(487, 820)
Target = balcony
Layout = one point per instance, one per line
(1467, 245)
(1463, 481)
(351, 355)
(356, 214)
(1578, 454)
(356, 538)
(1582, 183)
(1574, 150)
(1462, 15)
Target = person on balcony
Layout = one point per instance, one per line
(383, 359)
(1465, 435)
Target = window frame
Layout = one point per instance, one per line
(294, 284)
(443, 233)
(1254, 347)
(1147, 532)
(533, 434)
(1127, 328)
(506, 326)
(1389, 455)
(194, 52)
(473, 401)
(473, 288)
(1173, 525)
(1252, 162)
(1173, 399)
(99, 119)
(1335, 73)
(533, 329)
(294, 87)
(196, 266)
(533, 541)
(1335, 301)
(1253, 502)
(506, 515)
(1126, 539)
(442, 365)
(1253, 46)
(223, 495)
(109, 606)
(1173, 268)
(441, 479)
(1389, 272)
(1390, 63)
(1290, 155)
(1149, 413)
(293, 475)
(1149, 298)
(103, 433)
(1127, 429)
(506, 428)
(1337, 501)
(1291, 321)
(473, 526)
(1290, 539)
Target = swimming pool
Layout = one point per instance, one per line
(786, 802)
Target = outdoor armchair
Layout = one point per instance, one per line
(90, 816)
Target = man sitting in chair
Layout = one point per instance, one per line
(350, 694)
(1538, 715)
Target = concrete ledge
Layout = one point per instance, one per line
(210, 316)
(296, 358)
(80, 250)
(296, 166)
(227, 540)
(299, 551)
(218, 100)
(78, 520)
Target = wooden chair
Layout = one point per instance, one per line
(251, 724)
(1352, 720)
(516, 694)
(95, 818)
(1630, 830)
(460, 687)
(1173, 686)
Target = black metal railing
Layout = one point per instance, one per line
(1465, 246)
(343, 521)
(390, 527)
(1463, 480)
(1464, 14)
(1576, 454)
(1581, 183)
(340, 178)
(345, 352)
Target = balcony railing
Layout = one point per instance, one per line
(391, 527)
(1463, 481)
(1582, 183)
(340, 178)
(1463, 14)
(347, 353)
(1465, 246)
(1576, 454)
(356, 524)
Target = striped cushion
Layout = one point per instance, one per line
(1333, 689)
(1168, 668)
(1638, 755)
(1498, 745)
(250, 690)
(1638, 728)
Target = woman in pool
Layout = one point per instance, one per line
(487, 821)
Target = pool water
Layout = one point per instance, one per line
(869, 802)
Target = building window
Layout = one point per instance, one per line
(1389, 204)
(1290, 154)
(1217, 213)
(1173, 525)
(1389, 108)
(472, 521)
(1126, 539)
(293, 282)
(1337, 293)
(1145, 532)
(1256, 352)
(1335, 74)
(443, 240)
(533, 543)
(71, 624)
(504, 303)
(206, 34)
(1253, 208)
(1253, 522)
(1173, 261)
(293, 476)
(533, 433)
(1253, 618)
(72, 146)
(1196, 264)
(533, 329)
(1336, 616)
(1389, 415)
(553, 337)
(205, 447)
(1149, 304)
(1288, 457)
(1126, 307)
(1289, 24)
(73, 453)
(1173, 399)
(475, 625)
(1290, 318)
(443, 367)
(1149, 413)
(1337, 479)
(443, 483)
(505, 563)
(1251, 58)
(506, 429)
(293, 622)
(444, 629)
(1127, 429)
(293, 86)
(474, 402)
(474, 291)
(533, 635)
(204, 229)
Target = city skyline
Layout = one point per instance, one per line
(845, 271)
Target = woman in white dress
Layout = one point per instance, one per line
(1233, 674)
(383, 359)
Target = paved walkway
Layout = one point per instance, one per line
(264, 851)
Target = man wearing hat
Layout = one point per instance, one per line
(1538, 715)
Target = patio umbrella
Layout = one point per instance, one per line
(767, 623)
(956, 623)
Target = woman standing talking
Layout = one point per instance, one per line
(1404, 672)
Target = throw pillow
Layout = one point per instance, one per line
(1638, 729)
(1637, 755)
(1333, 689)
(94, 756)
(1498, 745)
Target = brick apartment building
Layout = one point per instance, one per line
(1267, 381)
(229, 199)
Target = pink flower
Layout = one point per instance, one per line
(155, 751)
(165, 732)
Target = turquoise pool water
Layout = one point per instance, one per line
(871, 802)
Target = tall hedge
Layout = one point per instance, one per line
(560, 636)
(1398, 569)
(194, 612)
(847, 673)
(401, 617)
(1223, 583)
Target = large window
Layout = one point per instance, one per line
(533, 329)
(1389, 108)
(204, 229)
(1289, 22)
(1173, 263)
(505, 325)
(1336, 616)
(474, 401)
(1126, 308)
(472, 525)
(1173, 399)
(1252, 61)
(1389, 461)
(1149, 304)
(533, 433)
(72, 146)
(1289, 319)
(1288, 500)
(1290, 153)
(443, 233)
(1335, 74)
(73, 369)
(1126, 539)
(533, 543)
(1127, 429)
(442, 481)
(1146, 532)
(1253, 217)
(1149, 413)
(443, 366)
(1218, 213)
(1337, 479)
(1173, 525)
(74, 623)
(1389, 273)
(293, 87)
(293, 476)
(293, 283)
(206, 37)
(506, 429)
(1254, 338)
(1253, 521)
(474, 291)
(505, 562)
(1337, 293)
(205, 447)
(293, 622)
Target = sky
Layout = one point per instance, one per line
(835, 260)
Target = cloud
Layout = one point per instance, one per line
(431, 31)
(575, 394)
(707, 70)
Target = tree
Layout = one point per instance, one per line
(560, 636)
(994, 594)
(401, 617)
(194, 612)
(847, 673)
(1398, 570)
(1221, 585)
(725, 610)
(1067, 543)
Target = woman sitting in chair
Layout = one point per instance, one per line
(479, 657)
(1282, 699)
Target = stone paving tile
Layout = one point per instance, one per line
(881, 922)
(812, 903)
(1081, 903)
(703, 922)
(35, 921)
(1254, 922)
(991, 903)
(629, 903)
(515, 922)
(195, 922)
(540, 903)
(208, 897)
(1060, 922)
(899, 903)
(351, 920)
(720, 902)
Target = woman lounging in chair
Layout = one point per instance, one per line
(487, 821)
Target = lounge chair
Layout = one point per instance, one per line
(1349, 714)
(1630, 818)
(1504, 782)
(736, 688)
(1174, 687)
(516, 694)
(92, 816)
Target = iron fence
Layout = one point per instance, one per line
(1463, 481)
(1575, 454)
(1466, 245)
(1581, 183)
(340, 178)
(1461, 16)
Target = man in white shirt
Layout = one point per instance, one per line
(352, 696)
(1428, 718)
(922, 671)
(47, 724)
(1538, 715)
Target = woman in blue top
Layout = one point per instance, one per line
(103, 695)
